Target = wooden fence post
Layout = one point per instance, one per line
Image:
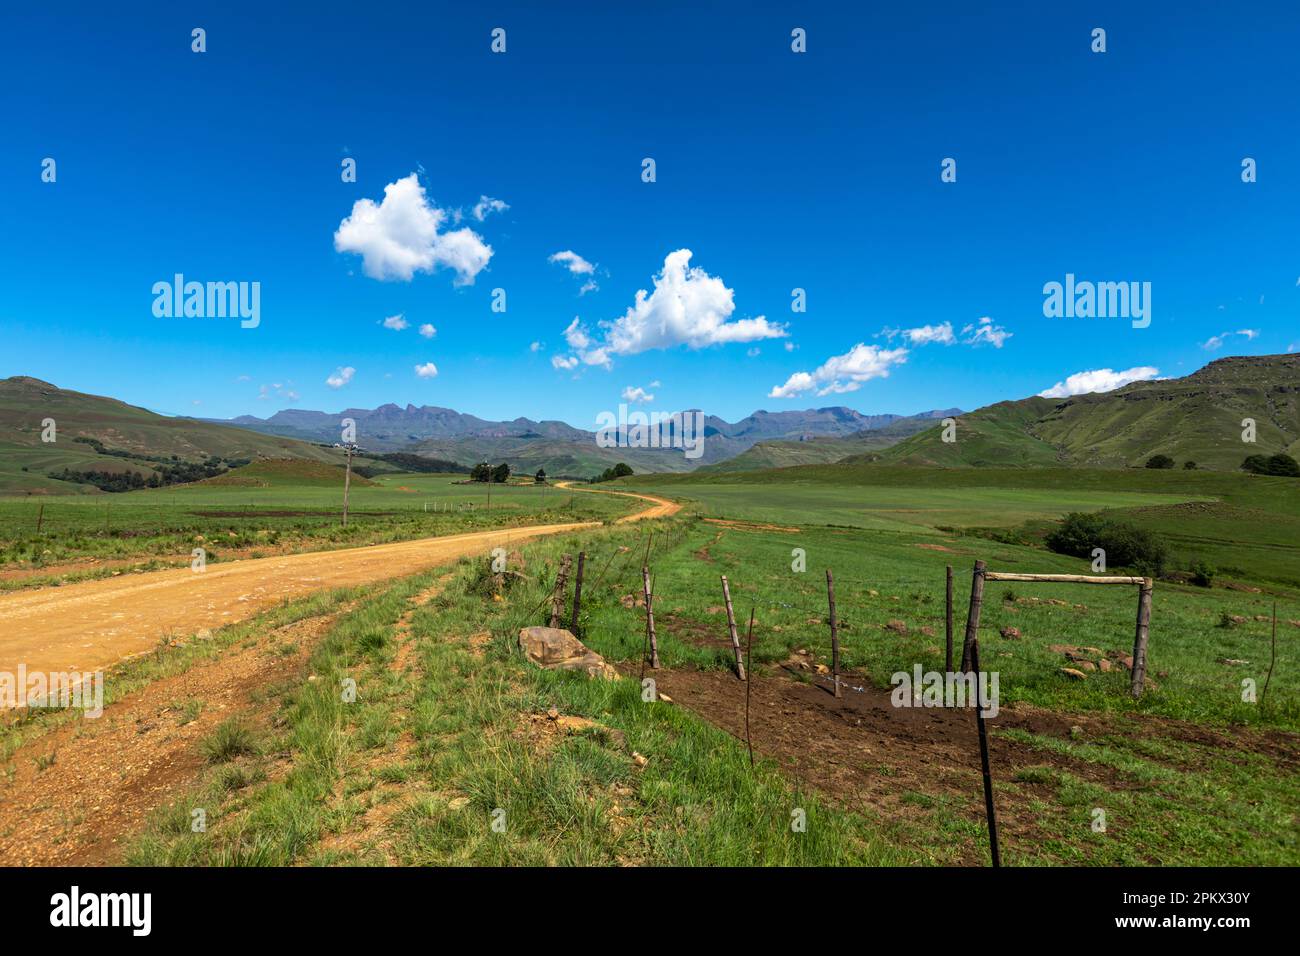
(577, 591)
(984, 757)
(650, 617)
(749, 648)
(947, 625)
(40, 518)
(835, 634)
(973, 615)
(731, 627)
(557, 595)
(1140, 640)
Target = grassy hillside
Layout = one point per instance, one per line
(26, 460)
(1244, 525)
(1197, 418)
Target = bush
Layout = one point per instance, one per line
(1189, 466)
(1125, 544)
(1280, 465)
(1160, 461)
(1202, 574)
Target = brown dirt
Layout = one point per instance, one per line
(111, 772)
(663, 507)
(93, 625)
(861, 750)
(751, 526)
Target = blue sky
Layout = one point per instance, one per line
(777, 171)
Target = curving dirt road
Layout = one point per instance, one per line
(663, 508)
(90, 626)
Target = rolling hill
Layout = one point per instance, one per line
(26, 461)
(1196, 418)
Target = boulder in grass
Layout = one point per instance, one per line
(1010, 633)
(1074, 674)
(553, 648)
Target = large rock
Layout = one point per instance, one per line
(553, 648)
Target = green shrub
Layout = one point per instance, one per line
(1125, 544)
(1202, 573)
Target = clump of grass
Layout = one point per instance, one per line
(190, 710)
(231, 739)
(45, 761)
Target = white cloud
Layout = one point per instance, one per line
(985, 332)
(427, 370)
(842, 373)
(395, 322)
(687, 307)
(1217, 341)
(573, 262)
(1099, 380)
(924, 334)
(563, 362)
(399, 236)
(277, 390)
(535, 347)
(753, 351)
(637, 394)
(342, 375)
(486, 205)
(428, 331)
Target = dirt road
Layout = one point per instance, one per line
(662, 506)
(90, 626)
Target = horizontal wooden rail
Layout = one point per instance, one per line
(1063, 578)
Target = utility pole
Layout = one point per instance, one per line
(347, 481)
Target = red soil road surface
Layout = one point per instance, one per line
(91, 626)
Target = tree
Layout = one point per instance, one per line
(1281, 465)
(540, 477)
(501, 473)
(481, 472)
(1189, 466)
(1160, 461)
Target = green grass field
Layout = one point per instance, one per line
(417, 769)
(264, 509)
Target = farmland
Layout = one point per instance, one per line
(450, 725)
(267, 508)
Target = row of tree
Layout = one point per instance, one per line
(498, 475)
(1279, 464)
(609, 474)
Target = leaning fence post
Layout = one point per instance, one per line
(731, 627)
(40, 518)
(835, 634)
(1140, 640)
(947, 625)
(973, 615)
(650, 617)
(984, 757)
(577, 591)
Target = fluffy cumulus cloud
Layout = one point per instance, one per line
(636, 394)
(1099, 380)
(401, 236)
(842, 373)
(428, 331)
(394, 322)
(342, 375)
(688, 307)
(427, 370)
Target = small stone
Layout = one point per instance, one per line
(638, 759)
(1010, 633)
(896, 625)
(1073, 674)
